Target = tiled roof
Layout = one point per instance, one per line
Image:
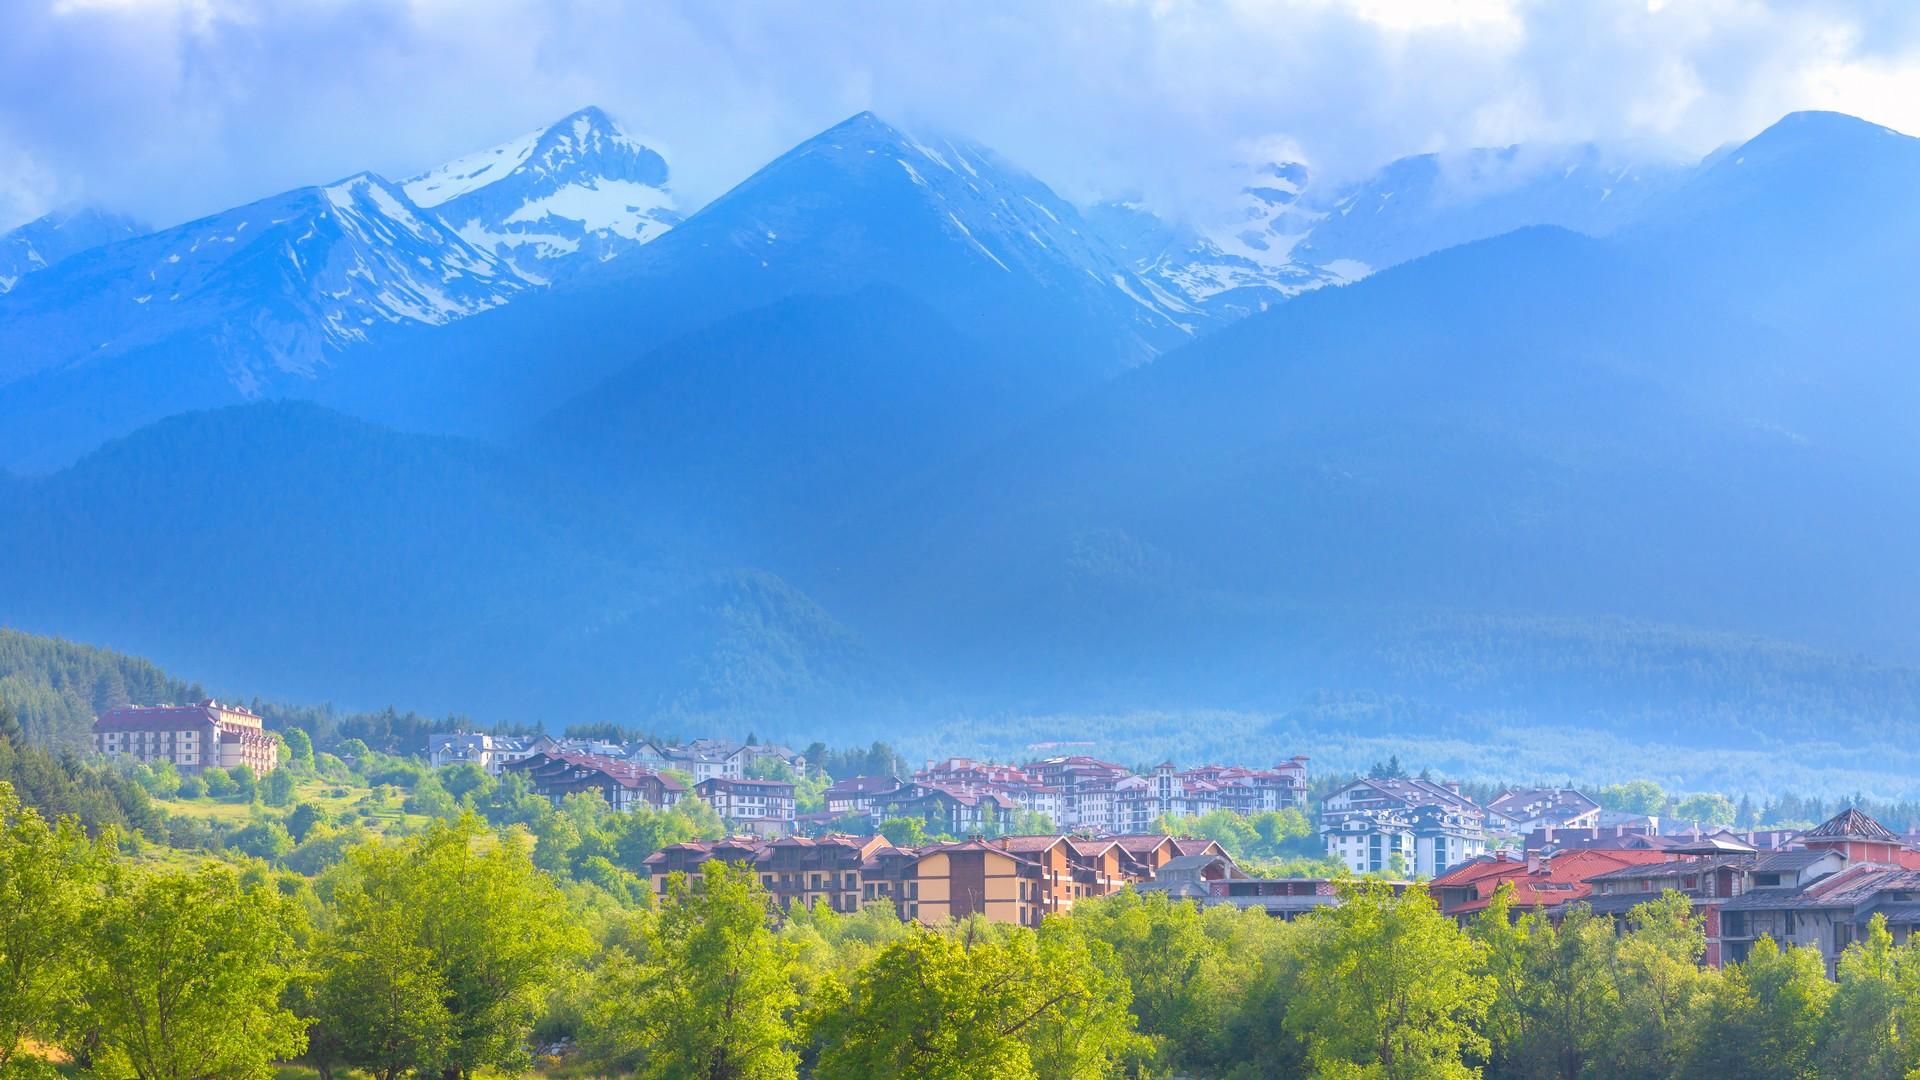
(1851, 824)
(1559, 804)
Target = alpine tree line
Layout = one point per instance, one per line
(449, 952)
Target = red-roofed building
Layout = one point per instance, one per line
(192, 737)
(1539, 881)
(557, 774)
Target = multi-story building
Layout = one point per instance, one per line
(192, 737)
(1019, 879)
(490, 752)
(625, 786)
(751, 807)
(854, 796)
(1520, 811)
(955, 811)
(1539, 879)
(1213, 880)
(1430, 827)
(1712, 874)
(795, 870)
(713, 759)
(1851, 869)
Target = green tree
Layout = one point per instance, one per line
(464, 778)
(301, 822)
(263, 840)
(490, 940)
(277, 788)
(1633, 797)
(1762, 1019)
(904, 831)
(45, 873)
(707, 991)
(246, 785)
(1175, 969)
(1709, 808)
(1553, 993)
(1390, 986)
(1867, 1033)
(1086, 1030)
(160, 778)
(186, 977)
(219, 782)
(1658, 978)
(382, 997)
(932, 1007)
(299, 749)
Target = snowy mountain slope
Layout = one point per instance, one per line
(1287, 231)
(992, 251)
(1418, 205)
(44, 241)
(553, 201)
(252, 302)
(938, 216)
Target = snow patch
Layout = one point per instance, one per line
(470, 173)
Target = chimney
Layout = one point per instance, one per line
(1536, 862)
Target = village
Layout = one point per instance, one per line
(974, 854)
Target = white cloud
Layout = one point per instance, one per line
(175, 107)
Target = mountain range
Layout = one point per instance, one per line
(1610, 462)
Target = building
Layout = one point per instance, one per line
(854, 796)
(795, 870)
(1520, 811)
(1016, 879)
(752, 807)
(1539, 880)
(192, 737)
(1428, 827)
(953, 810)
(1711, 874)
(713, 759)
(490, 752)
(625, 786)
(1851, 869)
(1213, 879)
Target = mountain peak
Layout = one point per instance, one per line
(1816, 131)
(580, 186)
(52, 237)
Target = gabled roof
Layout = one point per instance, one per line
(1555, 804)
(1851, 824)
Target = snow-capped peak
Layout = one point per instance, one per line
(46, 240)
(578, 192)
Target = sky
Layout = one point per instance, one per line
(170, 109)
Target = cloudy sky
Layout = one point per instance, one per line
(173, 108)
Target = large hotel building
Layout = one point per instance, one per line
(193, 737)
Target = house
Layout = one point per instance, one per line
(1540, 879)
(624, 786)
(1213, 879)
(1017, 879)
(490, 752)
(756, 807)
(955, 811)
(855, 795)
(1712, 874)
(1429, 827)
(795, 870)
(191, 737)
(1851, 869)
(1519, 811)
